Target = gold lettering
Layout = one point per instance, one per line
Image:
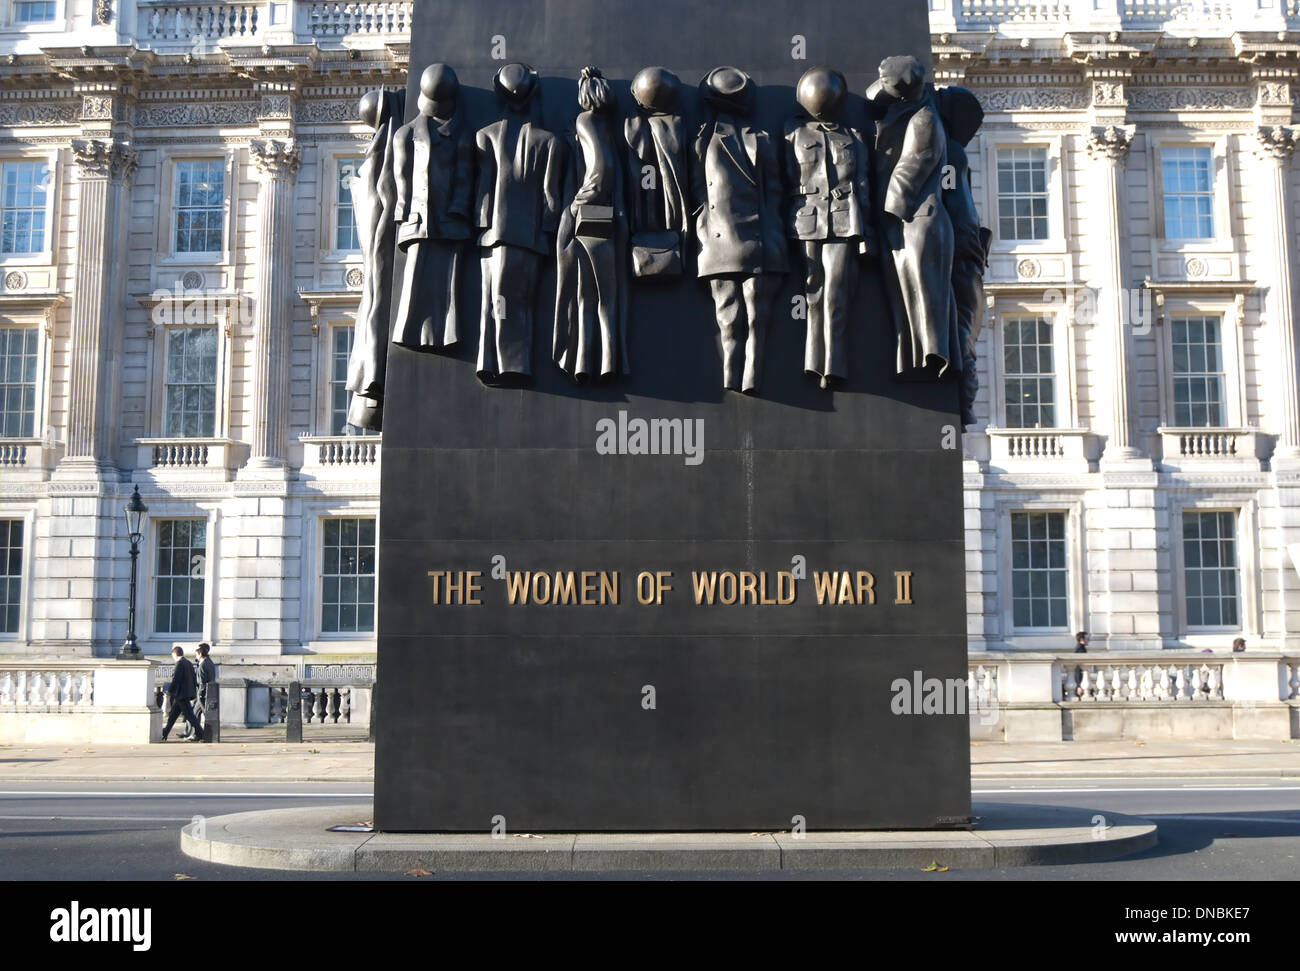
(564, 590)
(724, 596)
(705, 586)
(748, 587)
(903, 582)
(435, 575)
(517, 587)
(825, 584)
(866, 587)
(784, 582)
(609, 588)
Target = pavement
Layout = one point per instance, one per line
(259, 759)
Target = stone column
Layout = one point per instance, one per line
(276, 162)
(1276, 147)
(104, 170)
(1108, 147)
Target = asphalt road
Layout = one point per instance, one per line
(1209, 830)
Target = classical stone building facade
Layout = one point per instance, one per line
(179, 273)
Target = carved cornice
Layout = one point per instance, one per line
(275, 158)
(1277, 142)
(98, 159)
(1110, 142)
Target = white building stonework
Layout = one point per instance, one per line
(180, 273)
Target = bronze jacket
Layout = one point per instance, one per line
(434, 170)
(736, 180)
(520, 184)
(826, 166)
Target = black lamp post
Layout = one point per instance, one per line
(135, 513)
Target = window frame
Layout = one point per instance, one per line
(26, 514)
(329, 200)
(40, 428)
(1061, 314)
(9, 20)
(168, 255)
(45, 255)
(317, 586)
(1034, 638)
(1223, 240)
(1245, 509)
(157, 386)
(1230, 311)
(154, 526)
(1056, 242)
(160, 509)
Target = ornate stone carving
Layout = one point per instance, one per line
(41, 113)
(176, 114)
(98, 107)
(192, 280)
(1191, 99)
(318, 111)
(354, 278)
(1274, 93)
(1108, 94)
(1110, 142)
(15, 281)
(1034, 99)
(97, 159)
(277, 159)
(275, 106)
(1197, 268)
(1028, 269)
(1278, 141)
(103, 11)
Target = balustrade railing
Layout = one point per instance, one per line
(46, 690)
(189, 23)
(982, 688)
(1108, 14)
(1157, 681)
(1291, 672)
(340, 452)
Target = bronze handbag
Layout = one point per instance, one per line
(657, 254)
(594, 222)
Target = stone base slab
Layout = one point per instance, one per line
(1001, 835)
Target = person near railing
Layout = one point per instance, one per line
(207, 673)
(1080, 647)
(182, 690)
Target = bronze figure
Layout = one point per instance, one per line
(830, 207)
(519, 185)
(434, 170)
(591, 276)
(911, 153)
(736, 183)
(375, 202)
(659, 185)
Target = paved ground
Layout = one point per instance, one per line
(256, 758)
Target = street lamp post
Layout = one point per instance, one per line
(135, 513)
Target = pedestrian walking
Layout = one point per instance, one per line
(182, 690)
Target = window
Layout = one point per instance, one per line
(1198, 372)
(17, 382)
(348, 577)
(1187, 179)
(23, 197)
(34, 11)
(1022, 194)
(190, 383)
(179, 580)
(200, 190)
(1210, 569)
(11, 573)
(341, 338)
(345, 233)
(1029, 378)
(1039, 573)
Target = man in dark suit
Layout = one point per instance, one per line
(737, 185)
(519, 188)
(182, 690)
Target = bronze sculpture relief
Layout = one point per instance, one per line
(830, 210)
(434, 170)
(911, 154)
(519, 184)
(742, 250)
(659, 184)
(961, 114)
(591, 278)
(375, 203)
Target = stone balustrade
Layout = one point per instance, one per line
(201, 27)
(76, 701)
(1209, 448)
(1205, 17)
(1104, 695)
(1058, 449)
(215, 457)
(339, 453)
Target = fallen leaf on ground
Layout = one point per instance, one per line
(417, 872)
(528, 836)
(934, 868)
(181, 876)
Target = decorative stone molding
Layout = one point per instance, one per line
(1278, 142)
(97, 159)
(355, 277)
(1110, 142)
(1197, 268)
(176, 115)
(1191, 99)
(274, 158)
(99, 107)
(1033, 99)
(41, 113)
(192, 280)
(1108, 94)
(1275, 93)
(321, 111)
(15, 281)
(103, 12)
(1028, 269)
(275, 106)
